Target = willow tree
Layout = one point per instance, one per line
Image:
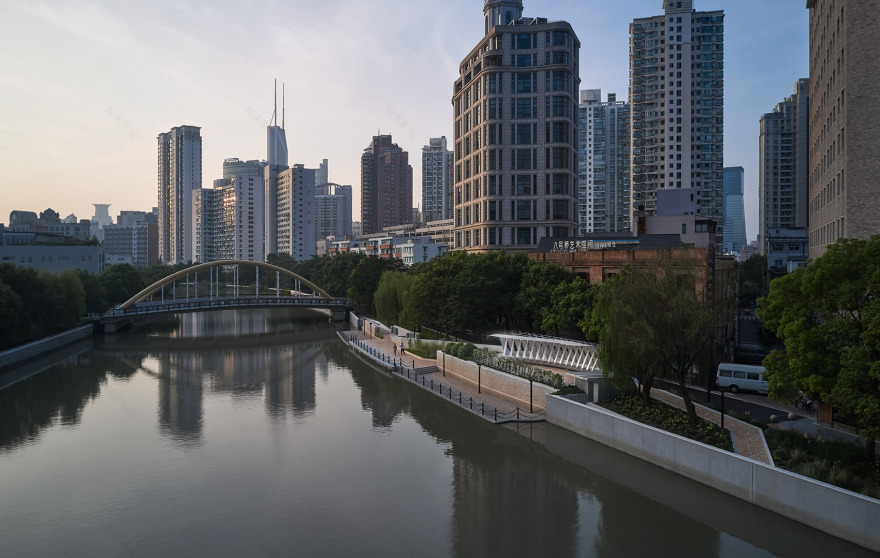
(656, 322)
(627, 346)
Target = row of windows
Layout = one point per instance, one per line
(518, 185)
(519, 236)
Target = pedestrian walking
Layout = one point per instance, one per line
(402, 352)
(395, 348)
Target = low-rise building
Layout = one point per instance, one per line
(55, 258)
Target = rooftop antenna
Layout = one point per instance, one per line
(282, 106)
(274, 119)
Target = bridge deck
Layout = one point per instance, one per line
(215, 303)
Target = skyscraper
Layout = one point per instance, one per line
(844, 148)
(783, 165)
(387, 183)
(603, 163)
(734, 210)
(277, 161)
(437, 165)
(179, 173)
(333, 211)
(229, 218)
(677, 98)
(295, 192)
(515, 133)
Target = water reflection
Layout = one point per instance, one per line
(353, 462)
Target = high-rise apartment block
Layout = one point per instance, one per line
(387, 183)
(229, 219)
(734, 211)
(179, 173)
(844, 143)
(516, 132)
(783, 165)
(295, 192)
(677, 97)
(333, 206)
(603, 163)
(437, 165)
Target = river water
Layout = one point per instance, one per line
(248, 433)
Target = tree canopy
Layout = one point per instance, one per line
(828, 318)
(653, 321)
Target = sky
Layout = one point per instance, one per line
(85, 87)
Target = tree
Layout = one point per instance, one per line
(627, 345)
(121, 282)
(828, 318)
(570, 308)
(365, 277)
(391, 299)
(13, 325)
(656, 314)
(535, 291)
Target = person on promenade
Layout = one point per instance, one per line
(402, 352)
(395, 348)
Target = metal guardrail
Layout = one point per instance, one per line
(407, 370)
(165, 307)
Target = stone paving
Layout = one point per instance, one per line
(748, 439)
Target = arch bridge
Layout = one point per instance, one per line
(180, 292)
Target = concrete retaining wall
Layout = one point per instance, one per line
(494, 382)
(841, 513)
(37, 348)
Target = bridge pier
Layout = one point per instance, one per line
(116, 326)
(338, 315)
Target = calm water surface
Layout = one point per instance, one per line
(247, 433)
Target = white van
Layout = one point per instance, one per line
(741, 376)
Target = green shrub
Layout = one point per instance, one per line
(670, 419)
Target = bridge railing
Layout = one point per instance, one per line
(191, 304)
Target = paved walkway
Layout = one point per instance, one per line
(467, 391)
(748, 440)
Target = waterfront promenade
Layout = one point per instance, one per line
(431, 376)
(748, 439)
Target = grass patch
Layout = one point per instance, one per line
(837, 463)
(662, 416)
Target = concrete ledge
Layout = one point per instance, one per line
(37, 348)
(494, 382)
(835, 511)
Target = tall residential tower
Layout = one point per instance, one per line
(387, 183)
(783, 165)
(437, 165)
(179, 173)
(677, 97)
(603, 163)
(515, 133)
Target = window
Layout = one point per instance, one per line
(523, 185)
(724, 373)
(560, 209)
(560, 184)
(523, 211)
(684, 228)
(523, 40)
(526, 108)
(523, 134)
(559, 38)
(559, 158)
(560, 106)
(559, 57)
(524, 235)
(525, 83)
(523, 60)
(522, 159)
(557, 81)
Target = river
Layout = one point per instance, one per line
(249, 433)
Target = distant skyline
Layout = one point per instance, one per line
(86, 87)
